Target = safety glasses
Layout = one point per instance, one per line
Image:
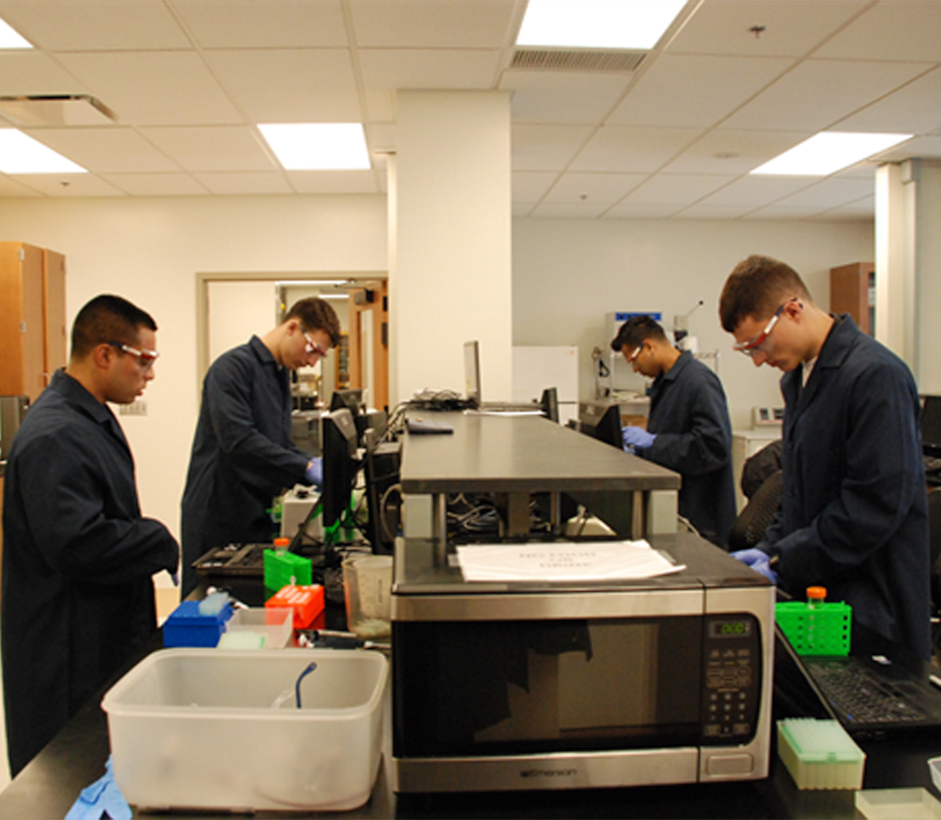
(752, 346)
(145, 358)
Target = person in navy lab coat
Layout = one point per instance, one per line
(688, 428)
(853, 515)
(78, 556)
(243, 456)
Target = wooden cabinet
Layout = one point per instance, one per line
(369, 341)
(850, 292)
(33, 340)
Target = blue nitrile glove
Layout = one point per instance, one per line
(103, 797)
(637, 437)
(314, 472)
(759, 561)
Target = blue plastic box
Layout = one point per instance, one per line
(187, 626)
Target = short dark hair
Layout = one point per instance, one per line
(636, 330)
(105, 319)
(756, 287)
(316, 314)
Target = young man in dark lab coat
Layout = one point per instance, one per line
(78, 597)
(242, 453)
(853, 515)
(688, 427)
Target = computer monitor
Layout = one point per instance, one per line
(350, 398)
(931, 425)
(472, 372)
(549, 404)
(340, 467)
(601, 421)
(383, 492)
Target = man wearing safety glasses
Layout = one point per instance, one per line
(853, 515)
(78, 556)
(688, 428)
(243, 455)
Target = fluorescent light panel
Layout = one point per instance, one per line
(828, 152)
(335, 146)
(10, 38)
(20, 154)
(628, 24)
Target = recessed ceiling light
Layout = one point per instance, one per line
(334, 146)
(828, 152)
(20, 154)
(636, 24)
(11, 39)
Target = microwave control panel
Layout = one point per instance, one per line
(731, 678)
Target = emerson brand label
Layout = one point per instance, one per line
(548, 773)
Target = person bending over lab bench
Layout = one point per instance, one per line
(688, 427)
(78, 556)
(242, 454)
(853, 515)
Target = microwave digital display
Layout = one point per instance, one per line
(513, 687)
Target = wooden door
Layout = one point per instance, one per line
(56, 332)
(22, 321)
(370, 304)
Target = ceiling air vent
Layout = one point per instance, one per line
(56, 110)
(577, 60)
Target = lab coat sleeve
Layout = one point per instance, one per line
(85, 521)
(875, 490)
(707, 443)
(232, 410)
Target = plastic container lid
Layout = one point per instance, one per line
(282, 543)
(816, 593)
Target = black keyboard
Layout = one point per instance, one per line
(858, 697)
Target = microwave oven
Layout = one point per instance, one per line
(545, 686)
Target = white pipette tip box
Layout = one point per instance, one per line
(819, 754)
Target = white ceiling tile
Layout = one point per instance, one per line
(270, 24)
(569, 210)
(519, 209)
(380, 104)
(619, 149)
(154, 88)
(333, 182)
(157, 184)
(734, 152)
(423, 24)
(705, 211)
(221, 148)
(894, 30)
(757, 191)
(604, 189)
(864, 208)
(32, 72)
(9, 187)
(830, 193)
(230, 184)
(818, 93)
(903, 111)
(562, 97)
(922, 148)
(429, 68)
(684, 90)
(638, 210)
(290, 85)
(677, 189)
(69, 185)
(96, 25)
(791, 27)
(532, 186)
(105, 150)
(546, 147)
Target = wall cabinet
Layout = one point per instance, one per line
(33, 338)
(852, 291)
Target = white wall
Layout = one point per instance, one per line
(150, 250)
(567, 273)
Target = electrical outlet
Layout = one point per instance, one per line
(138, 407)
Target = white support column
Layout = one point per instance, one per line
(928, 291)
(450, 241)
(895, 260)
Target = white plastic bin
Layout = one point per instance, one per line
(275, 625)
(216, 728)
